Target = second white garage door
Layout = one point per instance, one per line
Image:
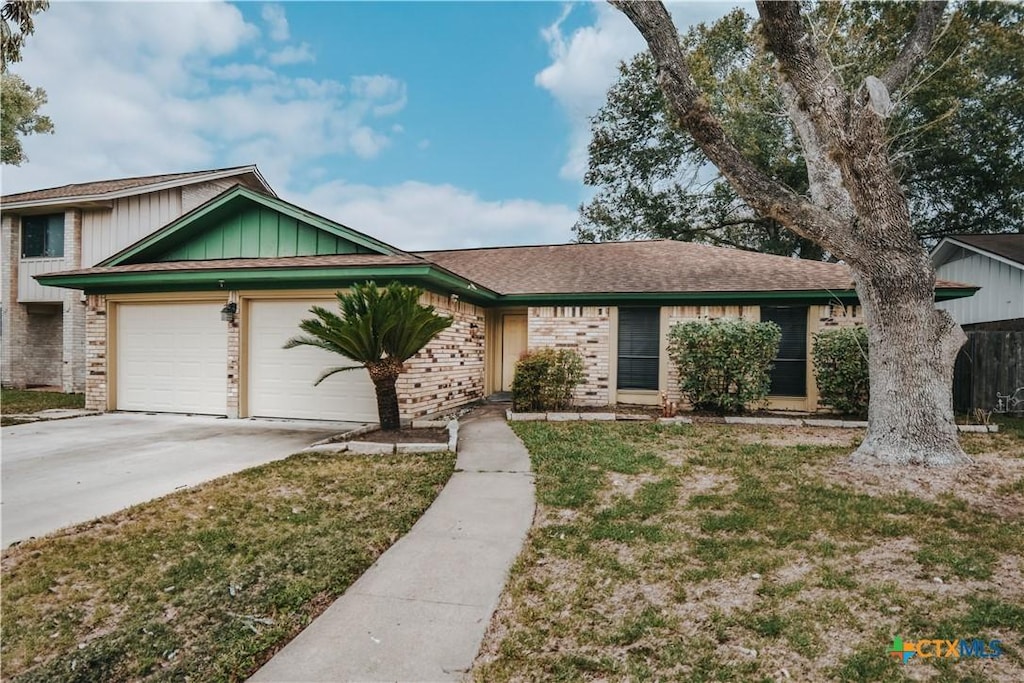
(280, 381)
(172, 358)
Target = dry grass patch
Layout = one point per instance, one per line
(733, 554)
(24, 402)
(206, 584)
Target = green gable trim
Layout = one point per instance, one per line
(241, 223)
(425, 275)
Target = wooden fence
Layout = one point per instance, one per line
(989, 363)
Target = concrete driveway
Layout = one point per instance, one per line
(63, 472)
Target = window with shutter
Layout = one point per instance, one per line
(639, 335)
(789, 374)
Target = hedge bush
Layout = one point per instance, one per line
(545, 379)
(841, 369)
(724, 364)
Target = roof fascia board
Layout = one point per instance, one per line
(953, 242)
(282, 278)
(805, 296)
(142, 189)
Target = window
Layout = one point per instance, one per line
(789, 374)
(639, 334)
(42, 236)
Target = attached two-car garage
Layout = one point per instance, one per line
(173, 357)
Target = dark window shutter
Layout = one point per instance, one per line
(639, 337)
(789, 374)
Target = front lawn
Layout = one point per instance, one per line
(205, 584)
(757, 554)
(22, 401)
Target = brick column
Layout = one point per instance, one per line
(234, 359)
(96, 352)
(73, 351)
(14, 330)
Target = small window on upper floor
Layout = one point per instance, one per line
(42, 236)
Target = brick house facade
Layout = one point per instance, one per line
(156, 341)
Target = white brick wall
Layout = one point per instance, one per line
(586, 329)
(449, 371)
(14, 314)
(73, 332)
(96, 352)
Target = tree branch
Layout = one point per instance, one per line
(801, 63)
(916, 47)
(687, 104)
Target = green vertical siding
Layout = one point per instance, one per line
(258, 232)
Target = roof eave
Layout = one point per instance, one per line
(98, 199)
(938, 254)
(269, 278)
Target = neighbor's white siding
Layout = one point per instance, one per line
(30, 291)
(107, 231)
(1001, 296)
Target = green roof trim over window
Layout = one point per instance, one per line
(820, 296)
(242, 223)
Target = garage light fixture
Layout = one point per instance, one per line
(227, 314)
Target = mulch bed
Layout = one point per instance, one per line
(431, 435)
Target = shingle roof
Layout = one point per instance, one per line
(325, 261)
(103, 187)
(645, 266)
(1008, 245)
(607, 267)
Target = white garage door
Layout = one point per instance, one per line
(172, 358)
(281, 380)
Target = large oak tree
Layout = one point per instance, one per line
(964, 111)
(853, 207)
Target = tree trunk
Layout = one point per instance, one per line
(912, 348)
(856, 211)
(384, 375)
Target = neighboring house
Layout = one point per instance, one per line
(996, 264)
(77, 226)
(193, 318)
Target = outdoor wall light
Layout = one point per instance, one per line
(227, 314)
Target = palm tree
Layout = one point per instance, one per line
(379, 328)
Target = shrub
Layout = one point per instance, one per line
(724, 364)
(545, 379)
(841, 369)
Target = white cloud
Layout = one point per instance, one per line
(153, 88)
(389, 92)
(415, 216)
(584, 64)
(292, 54)
(276, 21)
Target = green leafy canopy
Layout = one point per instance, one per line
(957, 136)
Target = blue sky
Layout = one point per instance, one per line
(428, 125)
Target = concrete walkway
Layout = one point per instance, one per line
(420, 612)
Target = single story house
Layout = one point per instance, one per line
(192, 318)
(996, 264)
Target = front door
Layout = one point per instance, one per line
(513, 344)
